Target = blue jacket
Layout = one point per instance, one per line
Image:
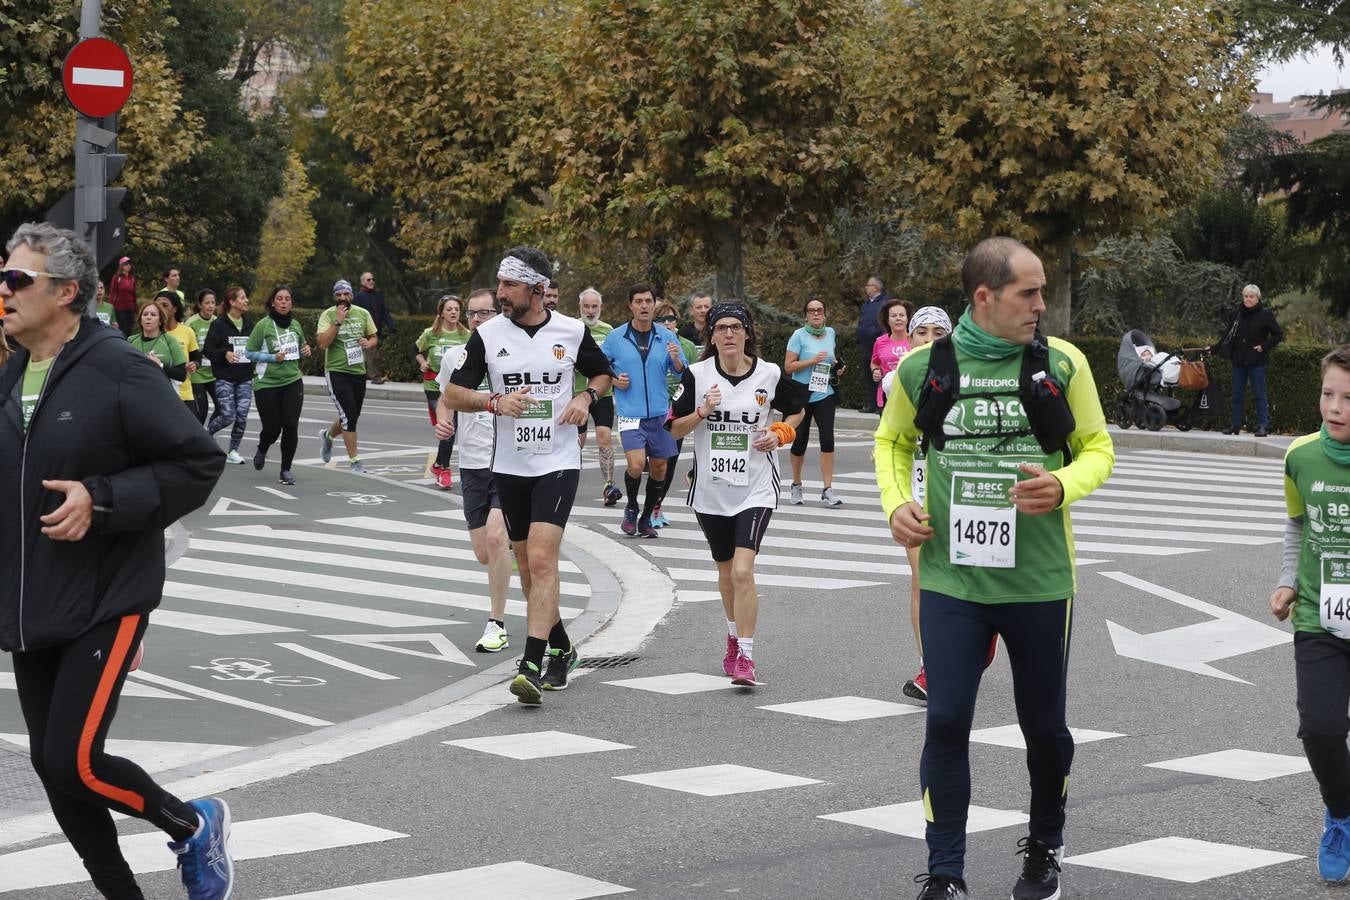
(646, 395)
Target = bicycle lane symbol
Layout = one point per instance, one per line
(357, 499)
(235, 668)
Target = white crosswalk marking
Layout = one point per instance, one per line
(503, 881)
(313, 608)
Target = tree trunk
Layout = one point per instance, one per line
(1059, 289)
(730, 262)
(656, 260)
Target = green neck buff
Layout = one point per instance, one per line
(814, 331)
(1336, 451)
(973, 340)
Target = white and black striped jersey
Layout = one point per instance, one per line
(730, 475)
(544, 358)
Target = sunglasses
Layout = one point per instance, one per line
(667, 319)
(18, 279)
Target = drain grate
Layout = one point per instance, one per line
(607, 662)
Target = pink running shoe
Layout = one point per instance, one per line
(444, 479)
(729, 661)
(745, 672)
(917, 687)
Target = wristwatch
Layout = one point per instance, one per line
(595, 395)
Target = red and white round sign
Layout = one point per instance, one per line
(97, 77)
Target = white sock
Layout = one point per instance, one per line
(747, 647)
(731, 628)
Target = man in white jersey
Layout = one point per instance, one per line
(482, 507)
(529, 356)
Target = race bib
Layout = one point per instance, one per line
(104, 317)
(628, 423)
(534, 428)
(820, 378)
(355, 355)
(238, 345)
(1334, 603)
(918, 482)
(983, 520)
(729, 461)
(288, 343)
(205, 363)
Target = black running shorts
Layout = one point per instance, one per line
(480, 496)
(349, 393)
(526, 499)
(727, 533)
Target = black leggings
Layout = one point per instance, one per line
(68, 695)
(823, 412)
(200, 402)
(279, 409)
(446, 447)
(1322, 674)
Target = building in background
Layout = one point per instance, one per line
(1299, 117)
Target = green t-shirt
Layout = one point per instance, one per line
(34, 377)
(1317, 490)
(436, 348)
(345, 353)
(599, 331)
(165, 346)
(267, 337)
(691, 356)
(199, 327)
(106, 314)
(982, 549)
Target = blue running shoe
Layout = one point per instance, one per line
(630, 517)
(658, 518)
(1333, 857)
(204, 859)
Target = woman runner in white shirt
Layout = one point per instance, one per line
(726, 401)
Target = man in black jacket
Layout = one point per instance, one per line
(96, 460)
(866, 335)
(372, 301)
(1248, 342)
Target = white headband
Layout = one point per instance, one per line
(513, 269)
(930, 315)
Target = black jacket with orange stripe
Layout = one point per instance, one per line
(107, 417)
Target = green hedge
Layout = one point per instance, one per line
(1293, 380)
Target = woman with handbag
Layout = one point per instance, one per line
(1248, 342)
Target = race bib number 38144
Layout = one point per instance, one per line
(983, 520)
(534, 428)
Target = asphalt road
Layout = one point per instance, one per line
(1177, 555)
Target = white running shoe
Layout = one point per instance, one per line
(494, 639)
(795, 498)
(829, 499)
(234, 458)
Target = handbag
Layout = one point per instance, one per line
(1194, 375)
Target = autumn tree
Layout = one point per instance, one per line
(701, 128)
(288, 232)
(1059, 122)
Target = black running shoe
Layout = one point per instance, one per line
(560, 665)
(527, 685)
(941, 887)
(286, 477)
(259, 460)
(1040, 871)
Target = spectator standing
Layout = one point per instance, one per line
(371, 300)
(1247, 343)
(868, 331)
(122, 293)
(90, 483)
(892, 344)
(694, 330)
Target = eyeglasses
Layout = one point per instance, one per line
(482, 313)
(728, 328)
(667, 319)
(18, 279)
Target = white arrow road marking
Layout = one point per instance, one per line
(1191, 647)
(228, 506)
(319, 656)
(444, 649)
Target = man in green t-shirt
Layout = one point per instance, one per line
(345, 333)
(997, 547)
(602, 410)
(103, 310)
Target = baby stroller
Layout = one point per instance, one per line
(1150, 379)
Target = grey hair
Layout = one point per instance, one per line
(590, 291)
(876, 279)
(67, 258)
(1254, 289)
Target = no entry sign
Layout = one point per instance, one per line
(97, 77)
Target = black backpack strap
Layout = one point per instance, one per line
(1045, 398)
(941, 388)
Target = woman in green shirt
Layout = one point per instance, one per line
(163, 350)
(203, 379)
(440, 345)
(275, 346)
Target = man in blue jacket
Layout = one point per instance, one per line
(869, 329)
(641, 353)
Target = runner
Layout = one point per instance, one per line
(590, 303)
(275, 346)
(446, 332)
(997, 542)
(670, 320)
(529, 357)
(87, 505)
(226, 343)
(726, 400)
(893, 342)
(1315, 587)
(811, 360)
(172, 305)
(641, 353)
(345, 332)
(482, 506)
(200, 323)
(551, 295)
(162, 349)
(103, 310)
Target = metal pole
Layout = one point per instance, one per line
(89, 173)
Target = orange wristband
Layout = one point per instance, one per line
(786, 433)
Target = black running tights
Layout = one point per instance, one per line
(1322, 675)
(279, 408)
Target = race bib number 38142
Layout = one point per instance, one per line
(983, 520)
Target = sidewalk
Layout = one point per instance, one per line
(1272, 447)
